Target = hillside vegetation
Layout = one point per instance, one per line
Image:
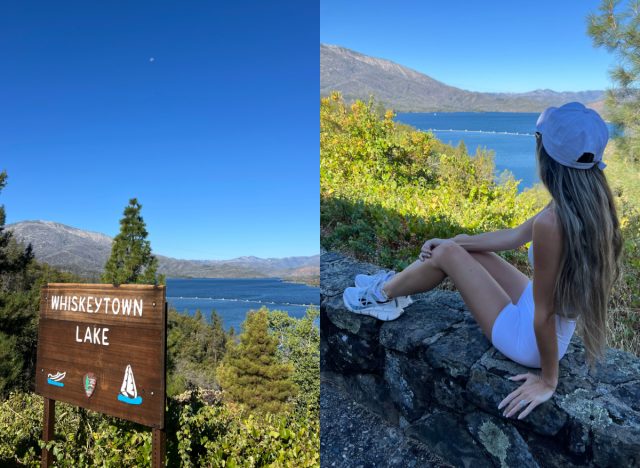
(202, 430)
(386, 188)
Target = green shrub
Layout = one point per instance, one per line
(386, 188)
(201, 431)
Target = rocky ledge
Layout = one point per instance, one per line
(434, 375)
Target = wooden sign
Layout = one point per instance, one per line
(102, 347)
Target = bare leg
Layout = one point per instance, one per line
(422, 276)
(481, 292)
(416, 278)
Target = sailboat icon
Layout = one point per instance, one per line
(128, 392)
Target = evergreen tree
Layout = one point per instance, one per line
(198, 316)
(14, 258)
(4, 236)
(462, 148)
(251, 371)
(619, 32)
(19, 299)
(218, 343)
(131, 260)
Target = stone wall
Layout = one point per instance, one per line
(434, 374)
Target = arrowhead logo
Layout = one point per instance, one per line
(89, 383)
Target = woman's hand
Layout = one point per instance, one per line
(427, 247)
(529, 395)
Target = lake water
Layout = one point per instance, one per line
(232, 298)
(510, 134)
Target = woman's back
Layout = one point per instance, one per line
(560, 318)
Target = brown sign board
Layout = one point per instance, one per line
(102, 347)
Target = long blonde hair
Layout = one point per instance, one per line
(592, 246)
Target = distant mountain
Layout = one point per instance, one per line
(85, 253)
(357, 76)
(599, 106)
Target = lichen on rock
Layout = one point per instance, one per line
(494, 440)
(580, 406)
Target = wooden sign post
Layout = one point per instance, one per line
(103, 348)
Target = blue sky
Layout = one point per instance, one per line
(498, 45)
(207, 112)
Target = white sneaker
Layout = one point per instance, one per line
(363, 281)
(382, 276)
(363, 301)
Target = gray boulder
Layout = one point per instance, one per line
(434, 375)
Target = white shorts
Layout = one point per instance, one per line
(513, 333)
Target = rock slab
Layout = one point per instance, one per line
(433, 375)
(349, 431)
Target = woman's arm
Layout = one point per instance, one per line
(539, 388)
(548, 240)
(496, 241)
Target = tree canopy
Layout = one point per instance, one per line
(131, 260)
(617, 29)
(252, 372)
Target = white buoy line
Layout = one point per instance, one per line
(243, 300)
(490, 132)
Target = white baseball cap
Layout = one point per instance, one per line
(571, 130)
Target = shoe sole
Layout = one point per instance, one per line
(403, 302)
(374, 312)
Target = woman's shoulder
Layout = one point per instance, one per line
(547, 225)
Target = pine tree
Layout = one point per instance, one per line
(15, 258)
(18, 306)
(251, 372)
(131, 260)
(619, 32)
(219, 341)
(4, 236)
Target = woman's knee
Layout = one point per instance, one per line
(445, 251)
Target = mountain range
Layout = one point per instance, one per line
(85, 253)
(357, 76)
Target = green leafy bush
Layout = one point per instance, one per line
(299, 344)
(386, 188)
(201, 431)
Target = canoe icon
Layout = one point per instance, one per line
(56, 379)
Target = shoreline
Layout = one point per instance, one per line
(311, 282)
